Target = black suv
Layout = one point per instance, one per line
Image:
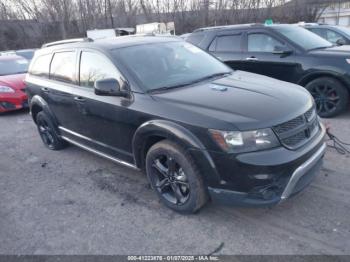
(198, 129)
(286, 52)
(337, 35)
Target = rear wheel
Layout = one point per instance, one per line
(175, 177)
(47, 132)
(331, 97)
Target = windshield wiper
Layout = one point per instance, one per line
(213, 76)
(321, 47)
(164, 88)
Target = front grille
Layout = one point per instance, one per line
(298, 131)
(310, 114)
(294, 140)
(292, 124)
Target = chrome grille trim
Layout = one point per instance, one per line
(298, 131)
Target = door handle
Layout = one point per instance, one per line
(79, 99)
(44, 89)
(252, 58)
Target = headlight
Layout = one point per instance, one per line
(6, 89)
(249, 141)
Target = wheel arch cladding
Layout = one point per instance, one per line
(158, 130)
(155, 131)
(35, 110)
(311, 77)
(38, 104)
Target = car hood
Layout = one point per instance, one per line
(13, 81)
(243, 101)
(333, 51)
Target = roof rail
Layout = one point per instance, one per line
(67, 41)
(225, 27)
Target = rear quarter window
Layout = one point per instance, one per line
(41, 66)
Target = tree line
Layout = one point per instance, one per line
(29, 23)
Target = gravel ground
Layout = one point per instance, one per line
(73, 202)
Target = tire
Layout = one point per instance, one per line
(182, 177)
(331, 96)
(47, 132)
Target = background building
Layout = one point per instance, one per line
(336, 14)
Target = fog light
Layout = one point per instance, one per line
(268, 194)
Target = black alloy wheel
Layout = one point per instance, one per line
(47, 133)
(175, 177)
(171, 180)
(326, 98)
(330, 96)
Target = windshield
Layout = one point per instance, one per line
(171, 64)
(13, 66)
(302, 37)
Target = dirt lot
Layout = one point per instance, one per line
(73, 202)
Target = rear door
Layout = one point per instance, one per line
(259, 56)
(103, 122)
(227, 46)
(60, 86)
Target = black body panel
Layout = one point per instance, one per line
(122, 128)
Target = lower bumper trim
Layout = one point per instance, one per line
(301, 171)
(234, 198)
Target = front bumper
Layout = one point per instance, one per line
(266, 178)
(13, 101)
(299, 179)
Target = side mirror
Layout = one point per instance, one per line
(108, 87)
(282, 50)
(340, 41)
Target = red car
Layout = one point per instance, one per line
(12, 88)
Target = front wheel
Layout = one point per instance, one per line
(331, 97)
(175, 177)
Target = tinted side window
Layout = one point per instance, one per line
(262, 43)
(94, 67)
(333, 36)
(63, 67)
(228, 43)
(41, 66)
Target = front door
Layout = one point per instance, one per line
(260, 56)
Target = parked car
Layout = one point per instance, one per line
(285, 52)
(337, 35)
(198, 129)
(25, 53)
(12, 87)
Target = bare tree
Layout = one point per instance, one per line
(49, 20)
